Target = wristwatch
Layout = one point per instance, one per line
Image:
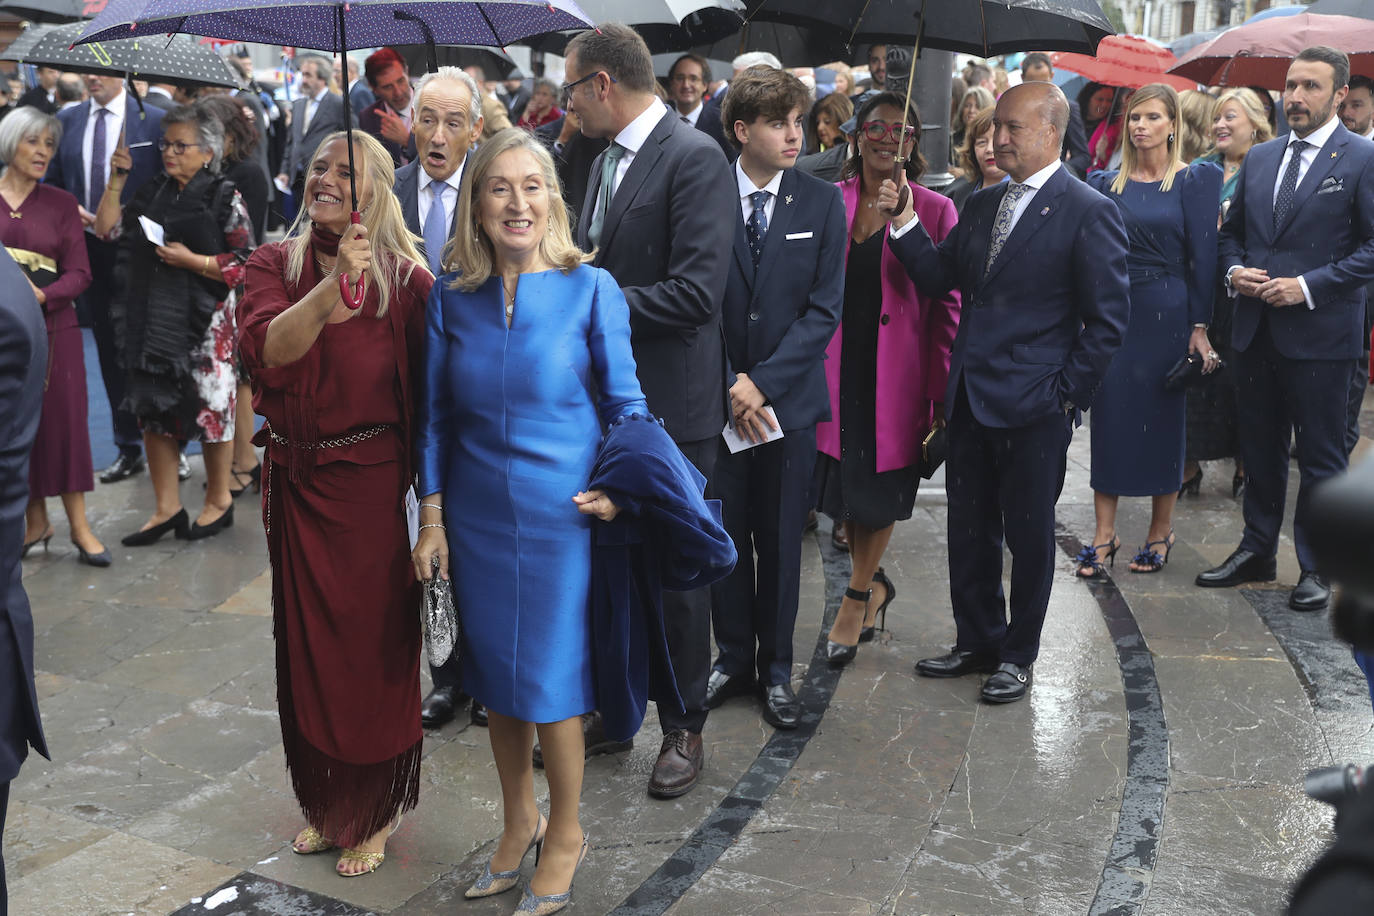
(1230, 270)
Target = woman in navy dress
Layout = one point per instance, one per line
(1138, 427)
(527, 358)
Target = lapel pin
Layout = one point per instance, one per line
(1045, 211)
(1333, 155)
(788, 199)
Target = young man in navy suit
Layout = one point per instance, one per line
(1297, 249)
(783, 299)
(1041, 264)
(90, 132)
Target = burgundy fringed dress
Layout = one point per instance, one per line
(345, 602)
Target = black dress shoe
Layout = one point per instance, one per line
(126, 465)
(438, 707)
(1311, 594)
(780, 706)
(721, 687)
(199, 531)
(180, 523)
(478, 716)
(956, 663)
(1007, 684)
(594, 740)
(1241, 566)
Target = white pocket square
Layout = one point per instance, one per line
(799, 235)
(1330, 185)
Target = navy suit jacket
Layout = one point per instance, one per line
(709, 123)
(370, 121)
(23, 367)
(300, 146)
(666, 240)
(1327, 237)
(407, 190)
(69, 171)
(1037, 330)
(779, 320)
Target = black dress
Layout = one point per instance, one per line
(851, 489)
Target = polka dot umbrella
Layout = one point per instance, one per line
(339, 26)
(182, 60)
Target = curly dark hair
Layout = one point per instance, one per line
(915, 163)
(229, 111)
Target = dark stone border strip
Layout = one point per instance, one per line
(1129, 869)
(257, 895)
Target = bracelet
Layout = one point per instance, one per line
(431, 506)
(423, 527)
(206, 269)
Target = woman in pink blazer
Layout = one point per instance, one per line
(886, 369)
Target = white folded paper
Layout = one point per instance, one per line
(738, 443)
(152, 230)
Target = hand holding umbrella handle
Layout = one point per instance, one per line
(353, 298)
(903, 189)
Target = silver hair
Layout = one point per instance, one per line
(26, 122)
(754, 59)
(453, 74)
(209, 130)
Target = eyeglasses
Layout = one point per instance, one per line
(877, 131)
(178, 147)
(565, 91)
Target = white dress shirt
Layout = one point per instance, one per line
(449, 194)
(634, 136)
(114, 126)
(1034, 182)
(747, 187)
(691, 116)
(312, 105)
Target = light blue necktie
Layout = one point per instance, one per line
(436, 228)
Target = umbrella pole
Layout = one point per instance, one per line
(899, 167)
(353, 298)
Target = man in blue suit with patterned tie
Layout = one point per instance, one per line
(1297, 249)
(447, 118)
(1041, 264)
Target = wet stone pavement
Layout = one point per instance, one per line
(1155, 768)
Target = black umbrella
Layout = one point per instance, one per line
(52, 10)
(493, 61)
(665, 25)
(794, 46)
(179, 59)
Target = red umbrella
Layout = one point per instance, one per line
(1124, 60)
(1258, 54)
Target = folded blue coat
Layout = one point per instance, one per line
(667, 535)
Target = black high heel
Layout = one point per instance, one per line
(1192, 484)
(199, 531)
(1151, 559)
(837, 653)
(179, 523)
(1088, 559)
(880, 615)
(99, 560)
(41, 539)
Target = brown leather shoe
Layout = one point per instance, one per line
(678, 766)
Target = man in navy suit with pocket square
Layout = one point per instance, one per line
(1041, 263)
(783, 299)
(1297, 249)
(90, 133)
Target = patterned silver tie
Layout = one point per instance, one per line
(1001, 226)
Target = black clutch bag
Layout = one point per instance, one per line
(1188, 372)
(933, 448)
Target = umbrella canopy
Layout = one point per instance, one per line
(182, 60)
(665, 25)
(795, 46)
(981, 27)
(1185, 43)
(1259, 54)
(315, 24)
(1124, 60)
(52, 10)
(494, 62)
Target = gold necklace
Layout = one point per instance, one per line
(510, 305)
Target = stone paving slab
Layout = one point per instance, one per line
(911, 797)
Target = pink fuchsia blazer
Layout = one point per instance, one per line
(914, 339)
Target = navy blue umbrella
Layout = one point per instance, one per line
(340, 26)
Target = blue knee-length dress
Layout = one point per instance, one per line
(1138, 428)
(511, 419)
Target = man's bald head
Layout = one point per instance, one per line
(1028, 128)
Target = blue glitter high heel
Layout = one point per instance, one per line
(498, 882)
(550, 903)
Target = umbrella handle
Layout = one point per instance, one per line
(353, 298)
(903, 189)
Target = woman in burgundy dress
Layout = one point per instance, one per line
(337, 388)
(41, 226)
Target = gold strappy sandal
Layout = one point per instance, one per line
(312, 840)
(371, 861)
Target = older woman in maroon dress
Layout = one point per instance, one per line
(337, 388)
(41, 226)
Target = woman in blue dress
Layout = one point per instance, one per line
(527, 358)
(1137, 426)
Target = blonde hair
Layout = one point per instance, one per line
(1196, 111)
(382, 217)
(494, 117)
(470, 252)
(1253, 107)
(1154, 92)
